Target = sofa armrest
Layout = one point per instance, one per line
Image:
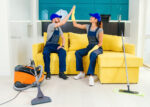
(130, 48)
(37, 48)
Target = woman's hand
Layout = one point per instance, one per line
(80, 26)
(73, 15)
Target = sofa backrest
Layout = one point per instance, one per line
(60, 40)
(77, 41)
(110, 42)
(74, 41)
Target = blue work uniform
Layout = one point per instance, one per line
(51, 47)
(93, 40)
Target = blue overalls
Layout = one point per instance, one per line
(51, 47)
(82, 52)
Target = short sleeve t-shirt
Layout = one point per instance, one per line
(99, 30)
(50, 30)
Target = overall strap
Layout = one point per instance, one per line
(89, 27)
(55, 37)
(97, 29)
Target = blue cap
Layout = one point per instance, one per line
(55, 16)
(96, 15)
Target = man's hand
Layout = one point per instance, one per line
(59, 47)
(65, 19)
(73, 9)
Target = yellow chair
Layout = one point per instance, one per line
(110, 66)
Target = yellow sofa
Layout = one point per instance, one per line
(110, 66)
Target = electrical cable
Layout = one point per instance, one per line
(11, 98)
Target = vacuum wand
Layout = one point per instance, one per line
(40, 96)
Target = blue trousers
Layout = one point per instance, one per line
(52, 48)
(82, 52)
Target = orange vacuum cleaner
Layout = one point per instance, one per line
(24, 77)
(30, 76)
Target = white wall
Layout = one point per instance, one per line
(20, 10)
(146, 54)
(147, 24)
(4, 39)
(134, 19)
(146, 50)
(135, 29)
(139, 31)
(23, 33)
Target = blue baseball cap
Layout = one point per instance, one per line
(96, 15)
(54, 15)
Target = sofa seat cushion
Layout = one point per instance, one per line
(71, 59)
(116, 59)
(72, 62)
(54, 65)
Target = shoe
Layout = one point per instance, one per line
(91, 81)
(79, 76)
(62, 75)
(48, 76)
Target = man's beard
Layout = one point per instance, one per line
(57, 21)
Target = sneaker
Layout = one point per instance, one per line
(62, 75)
(48, 76)
(91, 81)
(79, 76)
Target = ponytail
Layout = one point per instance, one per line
(100, 24)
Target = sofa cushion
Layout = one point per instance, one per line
(112, 43)
(116, 59)
(60, 40)
(71, 59)
(80, 41)
(72, 62)
(77, 41)
(54, 65)
(118, 74)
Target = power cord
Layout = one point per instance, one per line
(11, 99)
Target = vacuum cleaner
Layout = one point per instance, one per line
(26, 77)
(40, 96)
